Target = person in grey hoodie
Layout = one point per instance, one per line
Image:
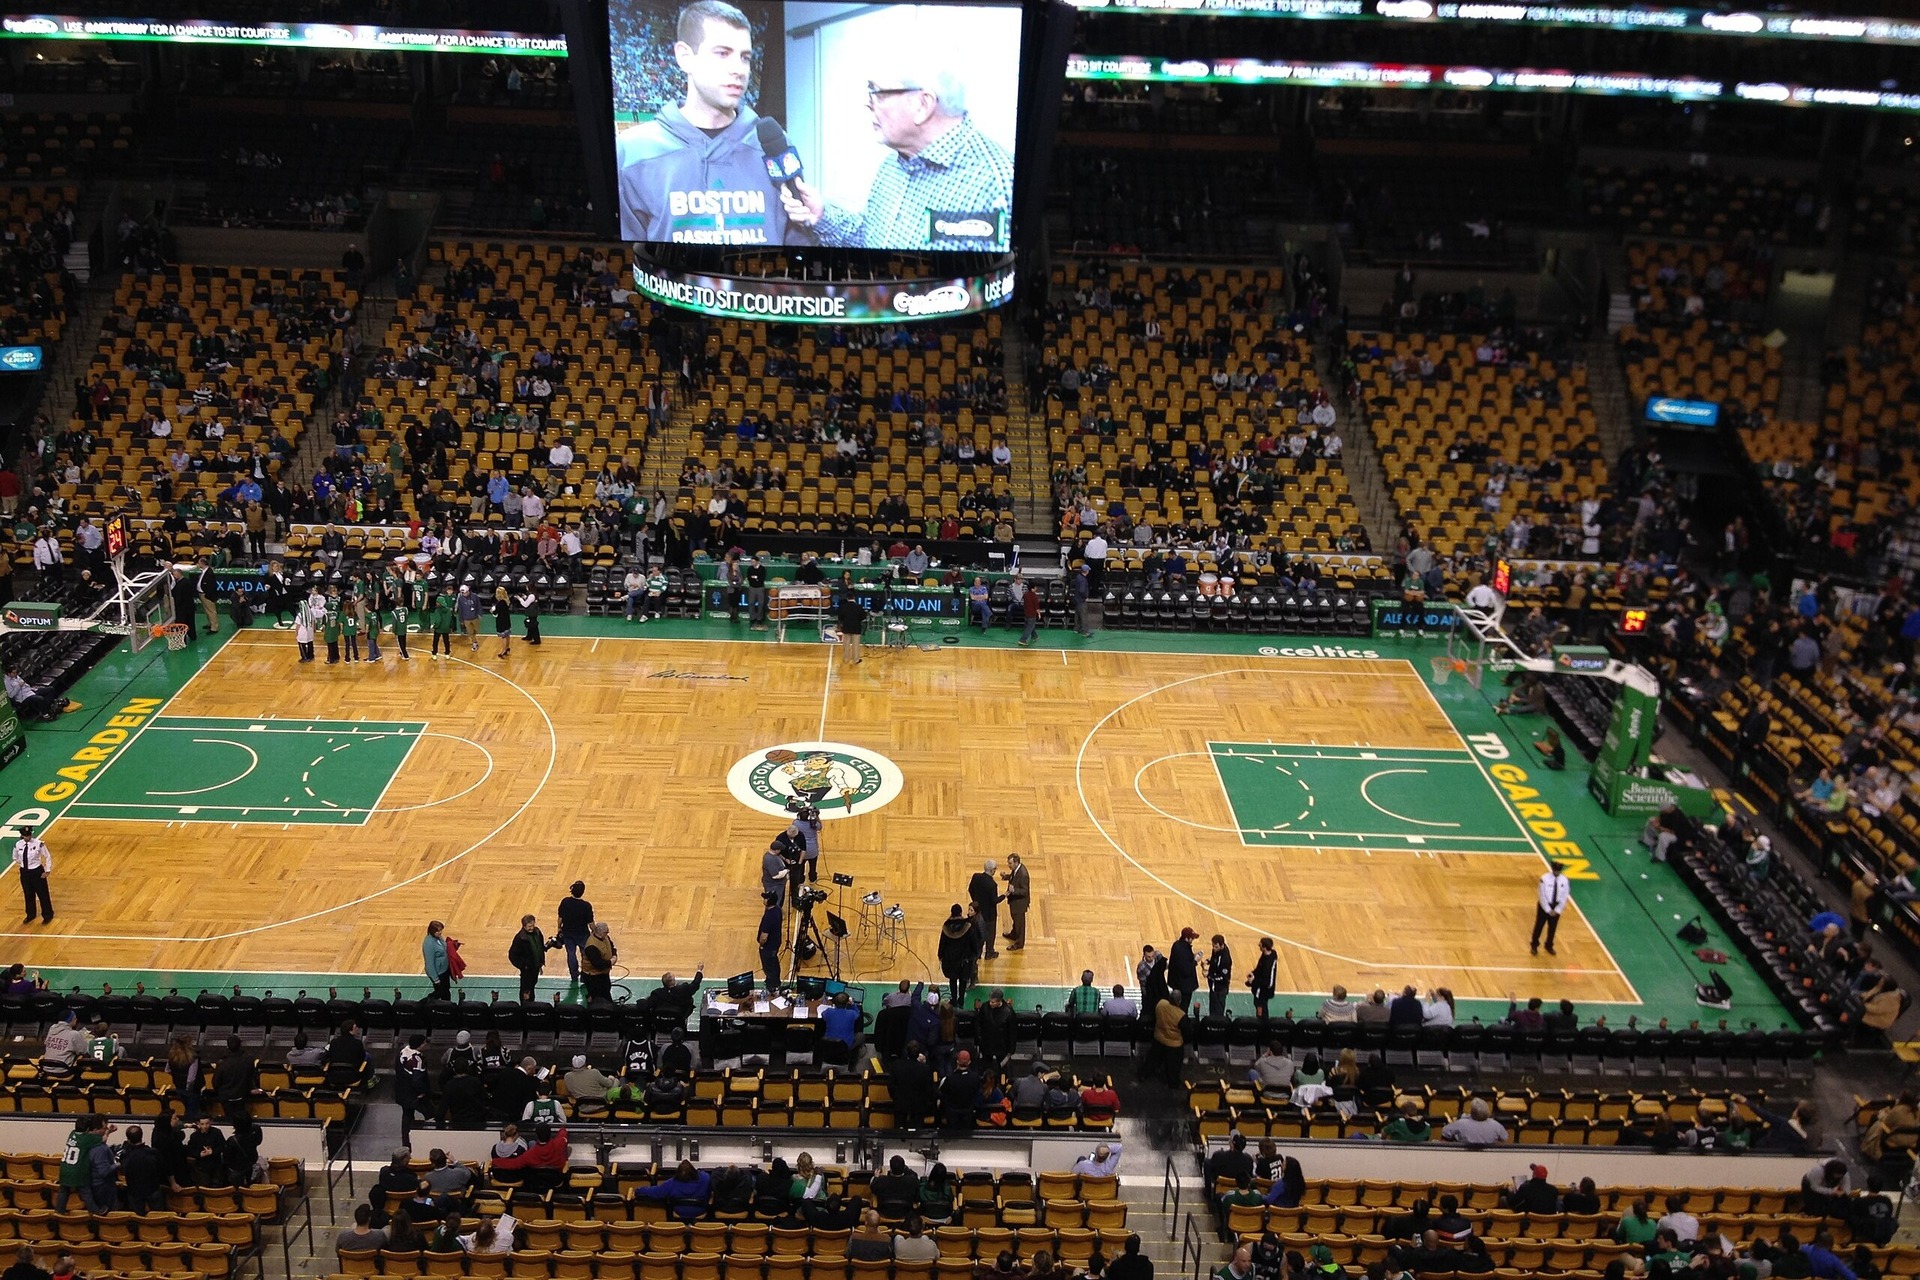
(696, 173)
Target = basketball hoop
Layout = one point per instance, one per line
(175, 634)
(1446, 666)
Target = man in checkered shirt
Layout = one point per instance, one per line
(947, 185)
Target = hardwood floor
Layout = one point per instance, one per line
(607, 760)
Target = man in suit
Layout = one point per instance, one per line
(1019, 889)
(986, 898)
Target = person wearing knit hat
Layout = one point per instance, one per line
(462, 1059)
(587, 1086)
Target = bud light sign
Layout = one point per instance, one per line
(20, 359)
(1699, 415)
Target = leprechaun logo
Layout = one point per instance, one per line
(837, 778)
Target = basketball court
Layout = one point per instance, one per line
(234, 812)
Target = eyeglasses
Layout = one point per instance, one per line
(875, 92)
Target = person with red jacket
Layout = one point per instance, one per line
(541, 1166)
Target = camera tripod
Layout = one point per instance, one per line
(808, 943)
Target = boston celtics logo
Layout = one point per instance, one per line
(836, 778)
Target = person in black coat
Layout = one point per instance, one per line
(509, 1091)
(1155, 987)
(1183, 970)
(959, 1093)
(145, 1174)
(528, 955)
(852, 617)
(914, 1091)
(503, 620)
(463, 1102)
(958, 952)
(993, 1028)
(1536, 1195)
(984, 892)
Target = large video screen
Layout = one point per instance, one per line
(865, 126)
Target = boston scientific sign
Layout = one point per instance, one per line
(824, 301)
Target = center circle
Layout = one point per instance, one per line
(837, 778)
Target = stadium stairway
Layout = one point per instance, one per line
(87, 217)
(87, 309)
(1361, 458)
(1612, 409)
(1802, 398)
(1027, 437)
(661, 469)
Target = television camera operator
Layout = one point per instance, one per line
(805, 828)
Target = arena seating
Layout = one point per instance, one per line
(851, 416)
(270, 327)
(32, 290)
(1148, 420)
(1182, 204)
(1883, 219)
(211, 1231)
(537, 185)
(598, 401)
(1485, 454)
(597, 1224)
(1702, 204)
(815, 1098)
(52, 663)
(1665, 277)
(1844, 483)
(1354, 1219)
(1538, 1117)
(138, 1087)
(1700, 361)
(76, 70)
(51, 144)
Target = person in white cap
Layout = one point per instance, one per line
(1760, 857)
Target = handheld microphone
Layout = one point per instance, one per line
(783, 162)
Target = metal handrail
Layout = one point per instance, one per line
(1170, 1196)
(289, 1203)
(1190, 1238)
(339, 1164)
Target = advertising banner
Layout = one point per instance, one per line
(824, 301)
(1629, 741)
(284, 35)
(1137, 69)
(1392, 618)
(13, 734)
(1628, 793)
(1770, 24)
(1700, 415)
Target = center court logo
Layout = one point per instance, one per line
(837, 778)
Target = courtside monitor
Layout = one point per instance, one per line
(747, 124)
(740, 986)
